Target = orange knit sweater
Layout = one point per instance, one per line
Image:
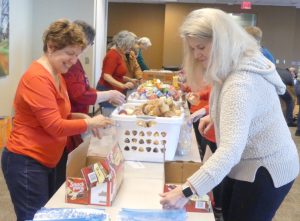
(41, 126)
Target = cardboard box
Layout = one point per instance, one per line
(102, 194)
(5, 129)
(163, 75)
(176, 173)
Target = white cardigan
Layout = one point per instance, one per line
(250, 128)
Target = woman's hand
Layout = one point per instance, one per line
(193, 98)
(205, 124)
(116, 97)
(134, 81)
(97, 122)
(128, 85)
(173, 199)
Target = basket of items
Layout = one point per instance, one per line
(149, 131)
(153, 89)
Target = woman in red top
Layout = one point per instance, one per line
(80, 92)
(43, 120)
(114, 67)
(82, 95)
(207, 139)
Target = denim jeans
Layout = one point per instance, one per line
(257, 201)
(30, 184)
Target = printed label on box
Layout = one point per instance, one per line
(76, 191)
(196, 204)
(94, 174)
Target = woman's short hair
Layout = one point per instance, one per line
(124, 40)
(88, 30)
(255, 32)
(144, 41)
(229, 44)
(63, 33)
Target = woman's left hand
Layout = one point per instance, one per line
(134, 81)
(173, 199)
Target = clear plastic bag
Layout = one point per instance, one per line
(152, 214)
(185, 138)
(101, 147)
(70, 214)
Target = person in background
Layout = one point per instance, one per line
(114, 67)
(43, 120)
(197, 101)
(297, 92)
(256, 32)
(133, 67)
(209, 140)
(143, 43)
(81, 95)
(256, 155)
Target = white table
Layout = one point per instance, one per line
(140, 189)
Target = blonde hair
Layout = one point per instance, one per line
(255, 32)
(229, 44)
(62, 33)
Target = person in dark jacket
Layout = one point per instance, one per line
(297, 91)
(286, 77)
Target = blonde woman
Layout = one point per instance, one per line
(256, 154)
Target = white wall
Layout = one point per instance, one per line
(101, 12)
(29, 19)
(20, 51)
(46, 11)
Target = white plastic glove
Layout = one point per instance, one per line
(116, 97)
(112, 96)
(197, 115)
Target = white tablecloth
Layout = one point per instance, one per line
(140, 189)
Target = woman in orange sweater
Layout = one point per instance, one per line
(43, 121)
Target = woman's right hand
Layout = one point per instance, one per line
(98, 121)
(193, 98)
(204, 125)
(116, 97)
(128, 85)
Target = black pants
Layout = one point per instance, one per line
(289, 102)
(201, 141)
(217, 190)
(258, 201)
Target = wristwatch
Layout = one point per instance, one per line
(187, 191)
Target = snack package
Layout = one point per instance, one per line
(94, 174)
(76, 190)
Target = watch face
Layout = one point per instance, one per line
(187, 191)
